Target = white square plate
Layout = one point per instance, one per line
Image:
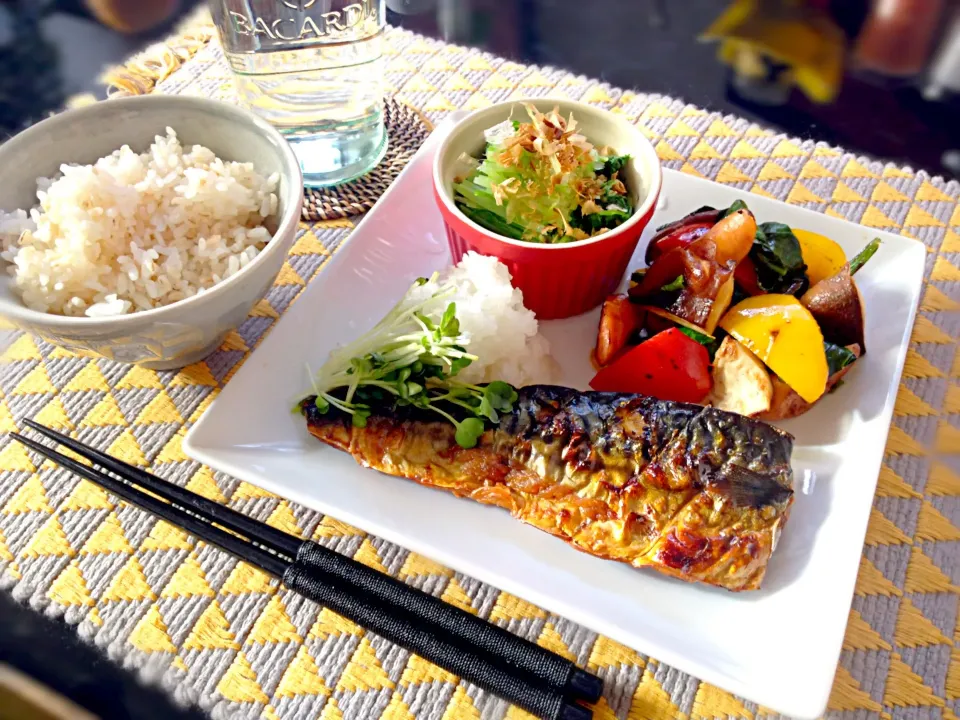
(721, 637)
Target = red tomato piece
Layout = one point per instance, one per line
(669, 366)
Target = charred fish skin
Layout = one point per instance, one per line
(694, 492)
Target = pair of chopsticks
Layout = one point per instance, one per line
(517, 670)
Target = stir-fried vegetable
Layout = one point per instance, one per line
(778, 261)
(411, 357)
(541, 181)
(824, 258)
(837, 357)
(837, 305)
(786, 404)
(741, 382)
(619, 320)
(715, 272)
(706, 265)
(670, 366)
(785, 336)
(861, 258)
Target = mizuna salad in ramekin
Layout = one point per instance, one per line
(558, 191)
(541, 181)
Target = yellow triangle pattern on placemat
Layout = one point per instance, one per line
(50, 539)
(713, 702)
(244, 579)
(129, 584)
(164, 536)
(211, 631)
(107, 538)
(906, 688)
(860, 636)
(246, 649)
(188, 580)
(273, 625)
(150, 634)
(651, 701)
(420, 671)
(848, 695)
(914, 629)
(889, 484)
(551, 640)
(239, 684)
(607, 653)
(70, 588)
(461, 707)
(364, 671)
(455, 595)
(30, 497)
(416, 565)
(510, 607)
(330, 624)
(89, 378)
(923, 575)
(942, 481)
(302, 677)
(882, 531)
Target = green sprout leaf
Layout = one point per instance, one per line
(501, 395)
(469, 432)
(449, 324)
(410, 359)
(359, 419)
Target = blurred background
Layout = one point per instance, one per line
(880, 77)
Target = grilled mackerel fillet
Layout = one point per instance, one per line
(694, 492)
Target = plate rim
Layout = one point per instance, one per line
(220, 459)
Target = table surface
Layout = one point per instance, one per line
(912, 483)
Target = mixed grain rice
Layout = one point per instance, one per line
(137, 231)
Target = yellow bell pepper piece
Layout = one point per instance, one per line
(824, 258)
(782, 333)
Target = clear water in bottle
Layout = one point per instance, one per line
(313, 69)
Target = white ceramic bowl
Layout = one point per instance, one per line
(182, 332)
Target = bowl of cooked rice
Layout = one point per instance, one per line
(144, 229)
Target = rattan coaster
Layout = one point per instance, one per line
(406, 131)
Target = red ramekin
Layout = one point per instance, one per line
(562, 280)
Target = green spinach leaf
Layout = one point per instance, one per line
(608, 219)
(734, 207)
(614, 164)
(838, 357)
(778, 260)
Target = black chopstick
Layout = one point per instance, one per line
(238, 546)
(259, 532)
(543, 666)
(474, 649)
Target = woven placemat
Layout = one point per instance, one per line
(217, 633)
(406, 131)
